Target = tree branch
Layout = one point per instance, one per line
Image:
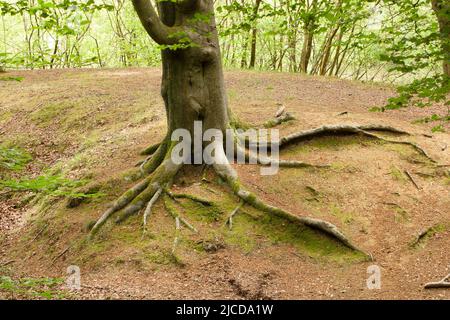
(157, 30)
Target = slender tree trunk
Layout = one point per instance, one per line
(442, 11)
(254, 32)
(327, 52)
(337, 53)
(306, 50)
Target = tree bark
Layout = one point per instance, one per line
(442, 10)
(254, 32)
(192, 81)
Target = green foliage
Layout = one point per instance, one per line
(421, 93)
(13, 158)
(18, 79)
(65, 21)
(32, 287)
(414, 46)
(49, 184)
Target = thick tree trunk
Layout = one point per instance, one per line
(192, 81)
(442, 10)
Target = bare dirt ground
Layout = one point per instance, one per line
(93, 124)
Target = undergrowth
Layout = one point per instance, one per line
(45, 288)
(14, 160)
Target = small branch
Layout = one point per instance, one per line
(4, 264)
(39, 233)
(444, 283)
(411, 179)
(232, 214)
(157, 30)
(60, 255)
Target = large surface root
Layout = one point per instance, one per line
(336, 129)
(284, 117)
(227, 173)
(161, 171)
(251, 157)
(139, 196)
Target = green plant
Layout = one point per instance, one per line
(33, 287)
(48, 184)
(18, 79)
(13, 158)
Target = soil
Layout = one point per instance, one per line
(94, 123)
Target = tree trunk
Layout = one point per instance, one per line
(442, 10)
(192, 81)
(307, 49)
(326, 52)
(254, 32)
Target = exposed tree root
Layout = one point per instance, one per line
(150, 204)
(178, 221)
(150, 150)
(250, 157)
(362, 129)
(410, 177)
(160, 171)
(444, 283)
(408, 143)
(336, 129)
(284, 117)
(191, 197)
(427, 233)
(133, 200)
(226, 172)
(232, 214)
(177, 235)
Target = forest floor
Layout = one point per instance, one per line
(92, 124)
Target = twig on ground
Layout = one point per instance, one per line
(60, 255)
(444, 283)
(233, 213)
(411, 179)
(4, 264)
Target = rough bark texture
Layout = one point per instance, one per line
(192, 82)
(442, 10)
